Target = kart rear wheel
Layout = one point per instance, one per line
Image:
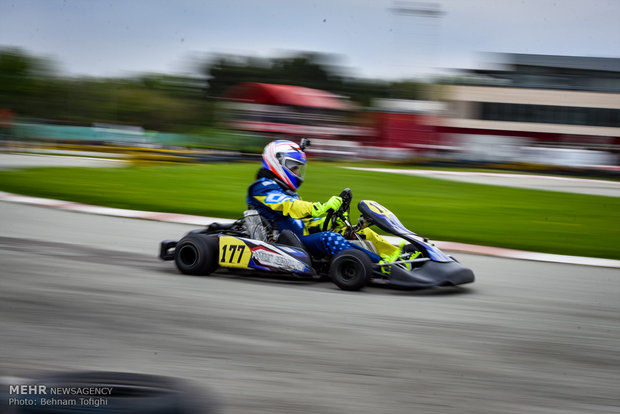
(196, 254)
(350, 269)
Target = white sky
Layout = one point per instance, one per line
(113, 37)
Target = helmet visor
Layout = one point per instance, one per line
(296, 167)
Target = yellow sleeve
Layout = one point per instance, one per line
(296, 209)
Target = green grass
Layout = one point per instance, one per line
(534, 220)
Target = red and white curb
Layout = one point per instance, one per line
(201, 221)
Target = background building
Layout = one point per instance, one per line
(557, 109)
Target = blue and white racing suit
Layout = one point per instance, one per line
(284, 209)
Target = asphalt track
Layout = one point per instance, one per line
(12, 161)
(86, 292)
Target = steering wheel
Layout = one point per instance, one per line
(330, 222)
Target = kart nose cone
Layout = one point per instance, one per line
(459, 277)
(431, 274)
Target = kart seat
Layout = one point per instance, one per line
(221, 226)
(289, 238)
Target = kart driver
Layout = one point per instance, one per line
(274, 196)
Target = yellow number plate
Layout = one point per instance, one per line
(234, 252)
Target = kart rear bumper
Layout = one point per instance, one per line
(166, 249)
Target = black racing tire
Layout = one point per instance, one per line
(351, 269)
(197, 254)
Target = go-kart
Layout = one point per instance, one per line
(251, 244)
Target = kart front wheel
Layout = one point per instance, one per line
(350, 269)
(196, 254)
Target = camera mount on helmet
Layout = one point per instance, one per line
(305, 143)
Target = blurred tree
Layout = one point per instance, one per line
(363, 92)
(225, 71)
(307, 69)
(313, 70)
(408, 89)
(30, 87)
(22, 79)
(153, 109)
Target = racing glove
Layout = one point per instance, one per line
(320, 209)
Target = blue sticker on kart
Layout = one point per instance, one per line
(385, 216)
(239, 252)
(275, 258)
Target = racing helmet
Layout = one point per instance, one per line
(287, 161)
